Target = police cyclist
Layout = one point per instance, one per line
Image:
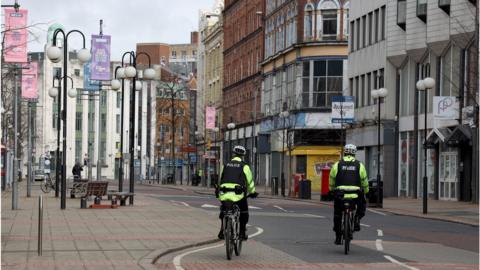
(348, 174)
(236, 181)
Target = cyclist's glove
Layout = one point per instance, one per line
(253, 195)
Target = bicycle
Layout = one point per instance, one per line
(231, 228)
(48, 184)
(347, 196)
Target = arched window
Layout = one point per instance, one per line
(327, 19)
(308, 22)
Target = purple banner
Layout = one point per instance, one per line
(100, 68)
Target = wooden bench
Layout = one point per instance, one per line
(114, 196)
(97, 189)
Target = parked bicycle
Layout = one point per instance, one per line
(48, 184)
(348, 213)
(231, 228)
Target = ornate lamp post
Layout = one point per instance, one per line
(55, 55)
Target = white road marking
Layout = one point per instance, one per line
(376, 212)
(177, 202)
(378, 244)
(364, 225)
(178, 259)
(280, 208)
(380, 233)
(253, 207)
(209, 206)
(311, 215)
(399, 263)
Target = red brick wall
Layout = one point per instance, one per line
(243, 50)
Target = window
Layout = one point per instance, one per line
(327, 82)
(184, 54)
(308, 22)
(306, 84)
(364, 31)
(174, 54)
(194, 52)
(267, 99)
(352, 36)
(363, 94)
(402, 13)
(118, 124)
(357, 94)
(119, 100)
(104, 121)
(444, 5)
(383, 23)
(77, 72)
(370, 15)
(329, 24)
(358, 33)
(369, 89)
(78, 121)
(278, 91)
(376, 25)
(422, 10)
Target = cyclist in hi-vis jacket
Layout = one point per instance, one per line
(235, 181)
(348, 174)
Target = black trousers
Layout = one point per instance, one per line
(243, 205)
(361, 204)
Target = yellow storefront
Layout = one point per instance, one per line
(317, 157)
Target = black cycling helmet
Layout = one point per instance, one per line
(239, 150)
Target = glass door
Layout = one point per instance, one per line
(448, 176)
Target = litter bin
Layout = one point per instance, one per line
(373, 193)
(274, 185)
(305, 190)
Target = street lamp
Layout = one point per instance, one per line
(130, 72)
(230, 127)
(54, 92)
(284, 115)
(425, 85)
(379, 95)
(54, 54)
(115, 85)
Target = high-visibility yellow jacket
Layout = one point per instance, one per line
(230, 195)
(363, 176)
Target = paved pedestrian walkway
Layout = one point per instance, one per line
(453, 211)
(128, 237)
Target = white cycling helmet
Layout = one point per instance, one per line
(350, 149)
(239, 150)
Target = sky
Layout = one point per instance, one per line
(127, 21)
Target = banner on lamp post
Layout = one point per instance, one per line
(15, 43)
(88, 83)
(210, 117)
(100, 64)
(29, 81)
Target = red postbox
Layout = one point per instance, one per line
(325, 180)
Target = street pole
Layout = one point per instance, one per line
(425, 178)
(282, 174)
(120, 167)
(378, 155)
(174, 165)
(99, 147)
(15, 142)
(30, 128)
(59, 108)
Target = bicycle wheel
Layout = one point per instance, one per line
(346, 231)
(45, 186)
(228, 239)
(238, 240)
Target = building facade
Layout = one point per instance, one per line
(183, 57)
(243, 50)
(305, 65)
(368, 69)
(436, 39)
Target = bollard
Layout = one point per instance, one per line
(40, 225)
(83, 202)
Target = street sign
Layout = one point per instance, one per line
(189, 149)
(343, 109)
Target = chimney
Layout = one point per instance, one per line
(194, 37)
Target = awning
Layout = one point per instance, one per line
(437, 135)
(461, 134)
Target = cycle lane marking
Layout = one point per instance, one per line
(178, 202)
(376, 212)
(378, 244)
(379, 232)
(280, 208)
(177, 261)
(399, 263)
(312, 215)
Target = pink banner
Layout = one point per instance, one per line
(15, 46)
(210, 117)
(29, 81)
